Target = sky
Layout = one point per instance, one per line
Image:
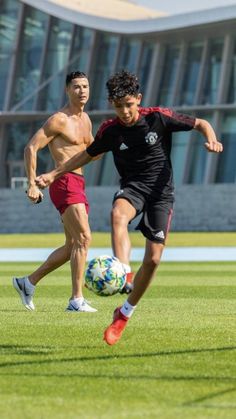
(183, 6)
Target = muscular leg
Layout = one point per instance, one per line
(144, 276)
(75, 220)
(54, 260)
(122, 213)
(142, 280)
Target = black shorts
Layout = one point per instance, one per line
(156, 212)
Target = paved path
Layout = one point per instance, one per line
(171, 254)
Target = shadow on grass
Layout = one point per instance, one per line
(34, 350)
(202, 400)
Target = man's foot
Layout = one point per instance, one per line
(82, 306)
(26, 291)
(128, 287)
(114, 332)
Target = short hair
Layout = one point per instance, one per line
(122, 84)
(75, 75)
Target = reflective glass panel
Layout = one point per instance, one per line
(81, 48)
(170, 64)
(103, 67)
(191, 73)
(226, 167)
(180, 141)
(56, 62)
(144, 68)
(8, 24)
(198, 156)
(231, 97)
(212, 73)
(28, 66)
(80, 54)
(18, 135)
(128, 55)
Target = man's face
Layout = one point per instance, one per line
(127, 108)
(78, 90)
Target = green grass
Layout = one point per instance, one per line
(177, 358)
(103, 239)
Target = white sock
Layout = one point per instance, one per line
(127, 309)
(29, 286)
(77, 301)
(127, 268)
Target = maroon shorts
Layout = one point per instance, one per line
(67, 190)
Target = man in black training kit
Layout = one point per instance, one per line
(140, 140)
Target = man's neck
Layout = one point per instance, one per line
(76, 110)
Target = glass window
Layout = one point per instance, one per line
(198, 156)
(56, 61)
(171, 61)
(180, 141)
(128, 55)
(212, 73)
(191, 73)
(81, 48)
(226, 168)
(144, 69)
(28, 67)
(109, 174)
(8, 24)
(231, 96)
(79, 57)
(17, 136)
(103, 63)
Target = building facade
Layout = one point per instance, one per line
(187, 62)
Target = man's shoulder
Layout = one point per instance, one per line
(58, 118)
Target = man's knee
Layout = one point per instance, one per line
(83, 240)
(118, 217)
(151, 262)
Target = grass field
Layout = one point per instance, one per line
(137, 240)
(177, 358)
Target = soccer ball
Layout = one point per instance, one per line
(105, 275)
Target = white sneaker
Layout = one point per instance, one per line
(26, 292)
(82, 307)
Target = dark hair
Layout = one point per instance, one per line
(75, 75)
(122, 84)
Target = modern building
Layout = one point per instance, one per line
(186, 61)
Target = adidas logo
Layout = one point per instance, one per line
(123, 146)
(160, 234)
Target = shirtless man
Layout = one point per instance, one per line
(66, 133)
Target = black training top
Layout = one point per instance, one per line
(142, 151)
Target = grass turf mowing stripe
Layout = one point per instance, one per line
(177, 358)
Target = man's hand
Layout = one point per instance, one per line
(34, 194)
(214, 146)
(44, 180)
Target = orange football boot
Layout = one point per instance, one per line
(114, 332)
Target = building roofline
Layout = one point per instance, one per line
(136, 27)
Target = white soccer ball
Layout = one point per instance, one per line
(105, 275)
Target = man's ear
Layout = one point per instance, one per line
(139, 97)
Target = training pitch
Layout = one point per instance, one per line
(177, 357)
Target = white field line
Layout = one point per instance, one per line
(171, 254)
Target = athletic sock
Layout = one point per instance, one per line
(77, 301)
(30, 287)
(127, 309)
(127, 268)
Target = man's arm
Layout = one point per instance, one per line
(77, 161)
(205, 128)
(42, 137)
